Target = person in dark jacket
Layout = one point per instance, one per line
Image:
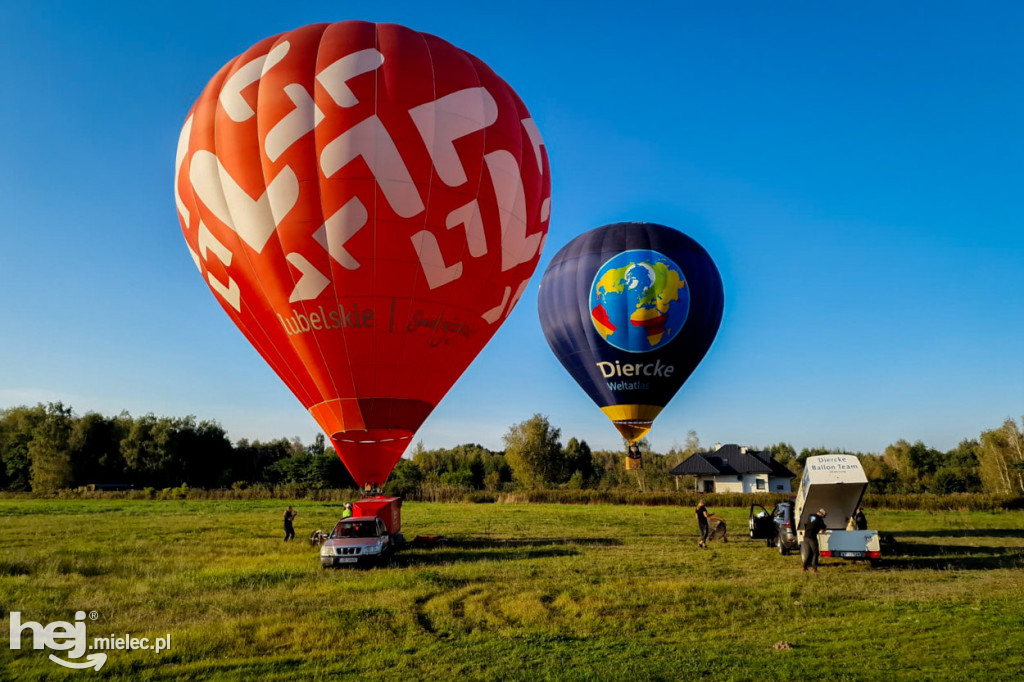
(702, 524)
(289, 529)
(809, 550)
(860, 522)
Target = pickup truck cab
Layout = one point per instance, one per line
(356, 540)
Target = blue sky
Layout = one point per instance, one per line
(855, 170)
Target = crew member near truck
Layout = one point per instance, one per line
(702, 524)
(815, 525)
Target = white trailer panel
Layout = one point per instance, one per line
(850, 544)
(835, 483)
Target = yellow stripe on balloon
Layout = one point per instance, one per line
(632, 421)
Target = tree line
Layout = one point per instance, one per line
(992, 463)
(48, 447)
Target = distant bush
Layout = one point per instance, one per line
(480, 497)
(455, 493)
(951, 502)
(441, 493)
(654, 499)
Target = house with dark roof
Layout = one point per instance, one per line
(734, 469)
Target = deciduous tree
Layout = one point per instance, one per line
(533, 451)
(17, 425)
(579, 460)
(49, 450)
(1001, 458)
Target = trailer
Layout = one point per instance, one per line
(387, 509)
(835, 483)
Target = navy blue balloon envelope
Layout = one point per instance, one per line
(630, 310)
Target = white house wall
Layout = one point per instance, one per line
(728, 484)
(748, 484)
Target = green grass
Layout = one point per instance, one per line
(521, 592)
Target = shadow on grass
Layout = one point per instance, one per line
(912, 555)
(499, 543)
(13, 568)
(497, 549)
(449, 555)
(962, 533)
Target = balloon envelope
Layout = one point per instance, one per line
(630, 310)
(367, 203)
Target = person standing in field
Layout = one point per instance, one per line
(346, 511)
(860, 522)
(702, 524)
(809, 550)
(289, 529)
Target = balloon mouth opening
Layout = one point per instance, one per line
(371, 454)
(633, 429)
(337, 438)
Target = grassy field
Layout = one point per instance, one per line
(521, 592)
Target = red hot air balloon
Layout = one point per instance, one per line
(367, 203)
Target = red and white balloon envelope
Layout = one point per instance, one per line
(367, 203)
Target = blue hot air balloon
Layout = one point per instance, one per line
(630, 310)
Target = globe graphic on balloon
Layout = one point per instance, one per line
(639, 300)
